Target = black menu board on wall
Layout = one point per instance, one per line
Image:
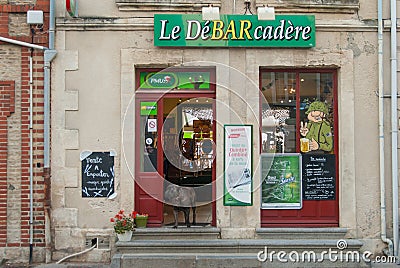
(97, 174)
(319, 177)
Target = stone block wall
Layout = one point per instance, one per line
(15, 134)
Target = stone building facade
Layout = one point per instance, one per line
(101, 55)
(15, 138)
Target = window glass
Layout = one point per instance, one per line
(279, 112)
(297, 112)
(148, 132)
(316, 111)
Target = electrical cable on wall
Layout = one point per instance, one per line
(77, 254)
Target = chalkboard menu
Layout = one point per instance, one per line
(319, 177)
(97, 174)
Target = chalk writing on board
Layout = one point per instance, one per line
(319, 177)
(98, 175)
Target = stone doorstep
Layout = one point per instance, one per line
(225, 246)
(201, 260)
(262, 233)
(174, 234)
(301, 233)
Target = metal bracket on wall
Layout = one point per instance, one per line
(385, 96)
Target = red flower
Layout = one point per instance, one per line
(121, 211)
(112, 220)
(134, 213)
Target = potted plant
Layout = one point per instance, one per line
(124, 225)
(141, 220)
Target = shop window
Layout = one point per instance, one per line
(298, 112)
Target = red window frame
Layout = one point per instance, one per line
(290, 217)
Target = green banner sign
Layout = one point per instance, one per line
(282, 183)
(148, 108)
(175, 80)
(173, 30)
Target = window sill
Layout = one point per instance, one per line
(312, 6)
(164, 5)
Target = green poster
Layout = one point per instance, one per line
(281, 185)
(148, 108)
(189, 30)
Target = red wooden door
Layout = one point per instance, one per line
(148, 156)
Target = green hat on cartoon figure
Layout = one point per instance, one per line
(317, 106)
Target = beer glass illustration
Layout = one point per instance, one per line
(304, 145)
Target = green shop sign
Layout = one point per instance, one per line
(148, 108)
(161, 80)
(175, 80)
(173, 30)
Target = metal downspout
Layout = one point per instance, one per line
(31, 157)
(394, 118)
(49, 55)
(381, 131)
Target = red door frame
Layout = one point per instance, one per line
(292, 217)
(144, 95)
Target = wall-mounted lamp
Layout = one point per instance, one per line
(266, 13)
(210, 13)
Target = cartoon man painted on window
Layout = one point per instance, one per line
(317, 130)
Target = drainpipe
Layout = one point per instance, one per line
(49, 55)
(30, 156)
(394, 118)
(381, 131)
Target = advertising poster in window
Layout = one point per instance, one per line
(238, 181)
(281, 185)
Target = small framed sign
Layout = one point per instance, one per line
(97, 174)
(238, 173)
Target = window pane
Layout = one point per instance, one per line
(278, 112)
(316, 109)
(148, 134)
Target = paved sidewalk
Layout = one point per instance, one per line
(73, 265)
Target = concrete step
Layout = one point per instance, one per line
(199, 260)
(301, 233)
(170, 233)
(216, 246)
